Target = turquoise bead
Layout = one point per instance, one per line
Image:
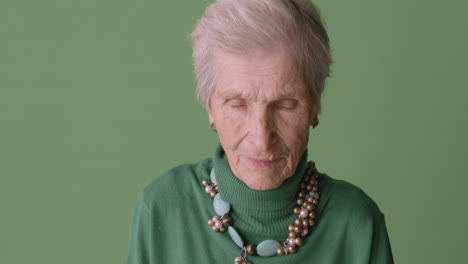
(268, 248)
(213, 176)
(235, 237)
(221, 207)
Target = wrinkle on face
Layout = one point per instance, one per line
(261, 110)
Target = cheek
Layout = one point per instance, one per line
(226, 119)
(233, 117)
(231, 127)
(293, 127)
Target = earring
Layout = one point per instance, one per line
(315, 123)
(213, 127)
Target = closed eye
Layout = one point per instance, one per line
(287, 104)
(236, 103)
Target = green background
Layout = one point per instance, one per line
(97, 99)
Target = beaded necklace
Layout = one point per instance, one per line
(307, 200)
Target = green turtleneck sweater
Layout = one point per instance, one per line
(169, 224)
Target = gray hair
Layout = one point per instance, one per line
(241, 26)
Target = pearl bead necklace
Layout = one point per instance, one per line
(307, 201)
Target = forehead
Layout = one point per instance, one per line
(260, 74)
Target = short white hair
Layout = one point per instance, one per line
(243, 26)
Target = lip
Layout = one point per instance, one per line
(261, 162)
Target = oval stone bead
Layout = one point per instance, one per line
(221, 207)
(235, 237)
(213, 176)
(268, 248)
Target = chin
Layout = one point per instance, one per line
(262, 178)
(264, 186)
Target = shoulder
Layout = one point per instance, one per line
(176, 184)
(343, 197)
(348, 215)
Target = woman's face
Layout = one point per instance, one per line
(261, 110)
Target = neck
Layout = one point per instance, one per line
(254, 212)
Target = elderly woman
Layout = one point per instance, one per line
(261, 67)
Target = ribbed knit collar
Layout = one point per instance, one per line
(242, 197)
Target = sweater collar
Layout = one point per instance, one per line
(234, 191)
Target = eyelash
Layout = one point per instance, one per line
(237, 105)
(287, 106)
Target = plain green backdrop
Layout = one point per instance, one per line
(97, 99)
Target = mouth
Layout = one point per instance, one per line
(262, 162)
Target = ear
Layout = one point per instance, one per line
(210, 117)
(209, 110)
(312, 119)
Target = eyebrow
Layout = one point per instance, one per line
(234, 94)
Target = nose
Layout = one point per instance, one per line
(262, 130)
